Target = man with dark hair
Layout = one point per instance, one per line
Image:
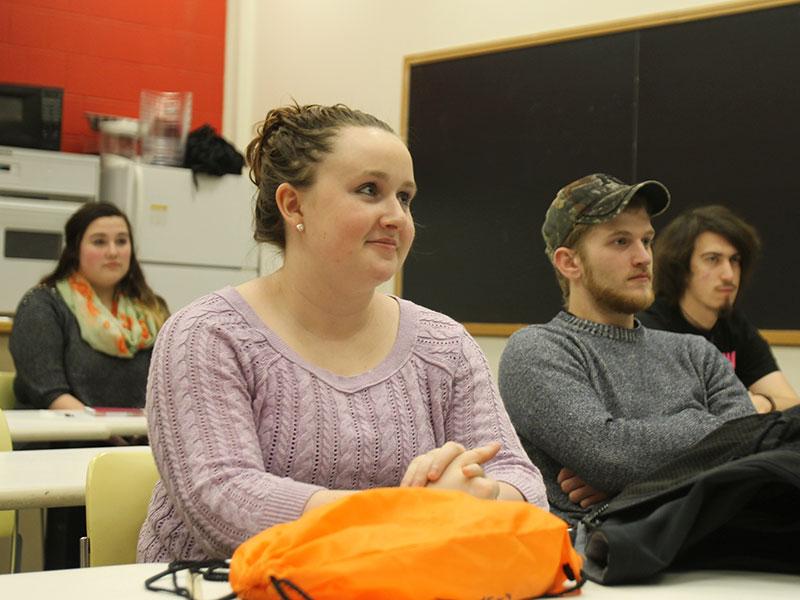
(702, 259)
(598, 400)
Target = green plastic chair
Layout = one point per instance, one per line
(7, 390)
(8, 518)
(118, 490)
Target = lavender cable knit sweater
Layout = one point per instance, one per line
(244, 431)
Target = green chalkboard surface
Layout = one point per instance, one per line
(709, 104)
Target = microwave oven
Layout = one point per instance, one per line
(30, 116)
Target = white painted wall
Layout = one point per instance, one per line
(352, 51)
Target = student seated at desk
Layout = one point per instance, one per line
(703, 258)
(599, 400)
(296, 389)
(84, 335)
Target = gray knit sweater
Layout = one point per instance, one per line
(51, 359)
(612, 403)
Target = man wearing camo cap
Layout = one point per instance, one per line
(598, 400)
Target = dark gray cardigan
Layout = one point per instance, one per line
(52, 359)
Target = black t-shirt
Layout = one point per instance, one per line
(733, 335)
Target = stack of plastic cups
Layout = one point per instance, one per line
(119, 151)
(164, 120)
(119, 137)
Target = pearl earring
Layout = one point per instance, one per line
(300, 227)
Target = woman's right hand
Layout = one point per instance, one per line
(465, 473)
(453, 467)
(66, 402)
(428, 467)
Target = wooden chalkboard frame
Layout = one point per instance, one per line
(787, 337)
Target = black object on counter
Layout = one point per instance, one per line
(207, 152)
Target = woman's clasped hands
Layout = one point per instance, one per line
(453, 467)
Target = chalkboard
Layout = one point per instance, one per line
(707, 104)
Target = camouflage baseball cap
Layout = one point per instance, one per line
(596, 198)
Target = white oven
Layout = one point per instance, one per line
(39, 190)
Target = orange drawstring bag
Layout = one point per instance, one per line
(409, 543)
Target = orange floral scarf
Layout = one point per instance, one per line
(122, 331)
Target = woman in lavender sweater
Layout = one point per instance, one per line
(297, 388)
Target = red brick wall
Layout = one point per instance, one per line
(103, 52)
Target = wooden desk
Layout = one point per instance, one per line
(126, 582)
(69, 425)
(47, 478)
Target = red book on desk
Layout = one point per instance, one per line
(114, 411)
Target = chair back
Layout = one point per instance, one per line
(7, 390)
(5, 434)
(118, 490)
(7, 517)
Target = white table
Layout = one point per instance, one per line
(708, 585)
(47, 478)
(70, 425)
(122, 582)
(126, 582)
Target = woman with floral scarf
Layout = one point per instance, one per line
(84, 335)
